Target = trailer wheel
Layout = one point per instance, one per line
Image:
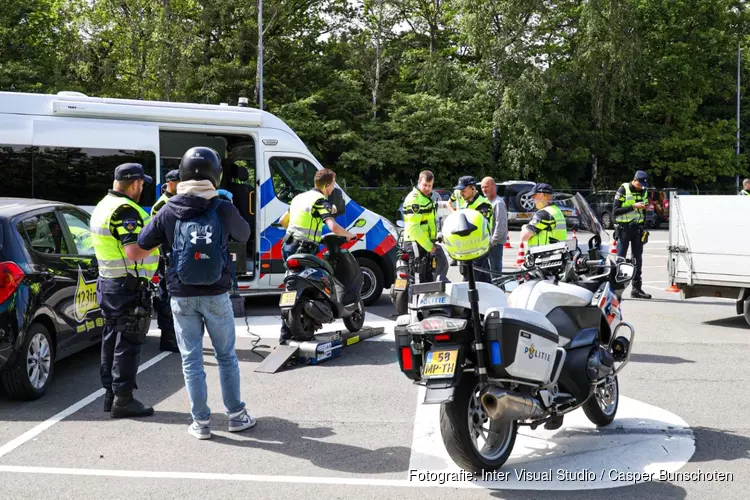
(746, 310)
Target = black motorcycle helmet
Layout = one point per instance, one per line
(201, 164)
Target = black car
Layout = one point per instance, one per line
(48, 306)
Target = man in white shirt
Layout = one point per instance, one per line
(500, 229)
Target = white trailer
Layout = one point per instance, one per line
(709, 247)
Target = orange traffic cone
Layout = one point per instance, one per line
(673, 288)
(613, 248)
(507, 241)
(521, 259)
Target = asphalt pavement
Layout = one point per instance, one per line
(352, 426)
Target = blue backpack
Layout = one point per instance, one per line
(198, 252)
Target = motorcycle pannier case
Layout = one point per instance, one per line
(520, 344)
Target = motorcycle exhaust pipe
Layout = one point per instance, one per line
(503, 405)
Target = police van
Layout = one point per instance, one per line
(65, 147)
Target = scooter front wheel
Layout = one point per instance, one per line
(356, 321)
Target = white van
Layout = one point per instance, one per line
(65, 147)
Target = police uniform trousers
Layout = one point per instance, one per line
(290, 247)
(120, 350)
(163, 308)
(630, 236)
(420, 264)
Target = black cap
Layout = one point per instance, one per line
(130, 172)
(173, 175)
(541, 188)
(642, 177)
(466, 181)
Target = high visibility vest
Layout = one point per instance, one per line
(420, 213)
(558, 232)
(631, 198)
(163, 199)
(744, 192)
(302, 223)
(110, 254)
(490, 216)
(460, 202)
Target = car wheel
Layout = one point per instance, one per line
(372, 284)
(525, 201)
(31, 372)
(607, 220)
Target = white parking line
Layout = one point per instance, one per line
(35, 431)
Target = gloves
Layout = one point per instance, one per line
(223, 193)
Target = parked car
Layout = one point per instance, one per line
(602, 202)
(48, 306)
(658, 202)
(518, 201)
(568, 209)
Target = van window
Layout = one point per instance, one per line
(15, 171)
(82, 176)
(291, 176)
(43, 233)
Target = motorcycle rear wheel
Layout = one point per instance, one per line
(601, 407)
(462, 427)
(300, 325)
(401, 301)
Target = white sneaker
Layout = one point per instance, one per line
(240, 421)
(200, 429)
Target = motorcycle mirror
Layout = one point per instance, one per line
(624, 272)
(400, 223)
(337, 200)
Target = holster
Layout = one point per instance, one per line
(644, 236)
(134, 326)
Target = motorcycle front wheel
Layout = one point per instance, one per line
(474, 442)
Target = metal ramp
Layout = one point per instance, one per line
(325, 345)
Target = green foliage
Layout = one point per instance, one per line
(579, 94)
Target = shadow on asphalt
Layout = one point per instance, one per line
(733, 322)
(652, 489)
(288, 438)
(680, 301)
(658, 358)
(717, 444)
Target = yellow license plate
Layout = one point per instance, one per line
(524, 216)
(400, 284)
(288, 299)
(440, 364)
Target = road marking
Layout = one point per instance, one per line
(642, 439)
(35, 431)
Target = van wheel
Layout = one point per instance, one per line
(31, 372)
(372, 283)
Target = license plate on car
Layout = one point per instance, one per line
(523, 216)
(440, 364)
(400, 284)
(288, 299)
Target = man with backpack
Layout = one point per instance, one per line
(196, 225)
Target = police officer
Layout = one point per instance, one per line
(123, 287)
(548, 224)
(164, 318)
(629, 209)
(472, 198)
(304, 223)
(746, 186)
(420, 229)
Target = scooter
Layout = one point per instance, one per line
(320, 291)
(494, 363)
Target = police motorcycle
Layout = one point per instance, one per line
(493, 363)
(319, 291)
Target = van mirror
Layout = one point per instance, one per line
(337, 200)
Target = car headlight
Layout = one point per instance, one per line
(390, 227)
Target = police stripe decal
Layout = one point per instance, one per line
(266, 193)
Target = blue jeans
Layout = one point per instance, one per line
(496, 259)
(190, 314)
